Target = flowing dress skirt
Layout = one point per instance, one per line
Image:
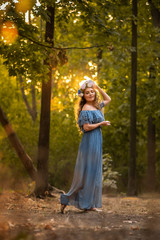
(86, 188)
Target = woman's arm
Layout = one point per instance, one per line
(88, 127)
(106, 98)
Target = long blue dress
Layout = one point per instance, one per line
(86, 188)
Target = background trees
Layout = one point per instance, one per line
(78, 25)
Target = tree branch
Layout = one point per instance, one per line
(17, 145)
(60, 48)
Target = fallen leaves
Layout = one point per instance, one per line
(4, 226)
(41, 217)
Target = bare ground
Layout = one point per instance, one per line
(23, 218)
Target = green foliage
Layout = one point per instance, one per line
(63, 147)
(110, 177)
(12, 102)
(83, 24)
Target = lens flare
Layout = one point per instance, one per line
(9, 32)
(24, 5)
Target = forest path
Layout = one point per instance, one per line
(38, 219)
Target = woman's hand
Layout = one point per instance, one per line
(88, 127)
(95, 85)
(105, 123)
(106, 98)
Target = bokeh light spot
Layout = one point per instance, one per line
(24, 5)
(9, 32)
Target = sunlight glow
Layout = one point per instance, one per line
(94, 75)
(68, 86)
(9, 32)
(28, 81)
(87, 78)
(92, 66)
(27, 16)
(24, 5)
(110, 17)
(38, 3)
(67, 79)
(3, 6)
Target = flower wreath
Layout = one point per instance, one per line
(86, 84)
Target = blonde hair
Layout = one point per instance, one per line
(82, 102)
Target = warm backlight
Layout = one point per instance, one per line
(9, 32)
(24, 5)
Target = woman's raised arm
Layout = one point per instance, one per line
(106, 98)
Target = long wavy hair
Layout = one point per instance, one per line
(82, 102)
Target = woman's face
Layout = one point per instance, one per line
(89, 94)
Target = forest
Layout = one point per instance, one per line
(46, 49)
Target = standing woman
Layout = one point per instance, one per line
(86, 189)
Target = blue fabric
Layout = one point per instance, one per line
(86, 188)
(102, 105)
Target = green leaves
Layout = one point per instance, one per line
(84, 24)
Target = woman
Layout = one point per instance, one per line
(86, 189)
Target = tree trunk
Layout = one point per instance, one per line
(155, 14)
(151, 166)
(26, 160)
(34, 105)
(99, 62)
(132, 162)
(151, 148)
(43, 145)
(32, 111)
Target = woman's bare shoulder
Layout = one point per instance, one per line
(87, 107)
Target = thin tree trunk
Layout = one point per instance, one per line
(132, 163)
(32, 111)
(15, 142)
(151, 166)
(43, 145)
(34, 105)
(29, 16)
(99, 62)
(41, 29)
(151, 146)
(155, 14)
(24, 96)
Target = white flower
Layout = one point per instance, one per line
(83, 86)
(90, 84)
(80, 94)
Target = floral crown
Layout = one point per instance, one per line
(85, 84)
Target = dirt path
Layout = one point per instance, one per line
(121, 218)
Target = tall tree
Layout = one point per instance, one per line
(151, 156)
(43, 144)
(151, 147)
(26, 160)
(132, 162)
(31, 110)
